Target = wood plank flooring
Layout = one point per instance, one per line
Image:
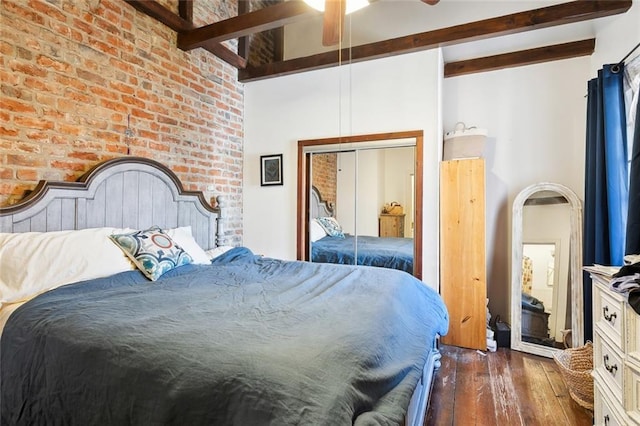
(501, 388)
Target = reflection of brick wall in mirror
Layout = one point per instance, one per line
(324, 175)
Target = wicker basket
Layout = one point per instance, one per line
(576, 365)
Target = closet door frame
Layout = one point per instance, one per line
(306, 147)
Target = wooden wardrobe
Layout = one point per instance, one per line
(462, 251)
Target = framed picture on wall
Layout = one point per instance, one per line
(271, 170)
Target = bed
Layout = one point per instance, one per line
(227, 337)
(387, 252)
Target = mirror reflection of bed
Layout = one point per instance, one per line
(361, 207)
(345, 248)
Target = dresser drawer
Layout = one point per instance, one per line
(608, 314)
(606, 413)
(608, 364)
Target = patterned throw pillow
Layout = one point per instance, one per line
(152, 250)
(331, 225)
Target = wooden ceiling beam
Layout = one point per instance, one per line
(246, 24)
(161, 14)
(185, 9)
(165, 16)
(522, 57)
(564, 13)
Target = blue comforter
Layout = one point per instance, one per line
(388, 252)
(245, 341)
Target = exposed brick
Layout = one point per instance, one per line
(6, 49)
(90, 76)
(65, 81)
(8, 132)
(47, 62)
(130, 100)
(27, 147)
(14, 8)
(33, 122)
(142, 114)
(122, 88)
(25, 68)
(69, 129)
(67, 165)
(6, 173)
(103, 93)
(110, 136)
(113, 105)
(17, 106)
(84, 155)
(27, 174)
(80, 97)
(41, 136)
(25, 160)
(70, 77)
(47, 10)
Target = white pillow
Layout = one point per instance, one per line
(316, 231)
(215, 252)
(34, 262)
(184, 238)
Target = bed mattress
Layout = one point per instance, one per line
(246, 340)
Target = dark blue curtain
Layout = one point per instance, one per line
(606, 178)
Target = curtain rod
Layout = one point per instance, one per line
(616, 67)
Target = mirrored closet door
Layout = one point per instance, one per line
(365, 188)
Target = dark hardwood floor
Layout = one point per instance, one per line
(501, 388)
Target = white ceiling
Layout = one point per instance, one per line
(386, 19)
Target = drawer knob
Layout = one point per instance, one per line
(605, 312)
(610, 368)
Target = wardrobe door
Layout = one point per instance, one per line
(462, 251)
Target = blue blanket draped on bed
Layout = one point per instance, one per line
(245, 341)
(387, 252)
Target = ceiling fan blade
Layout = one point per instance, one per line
(430, 2)
(333, 21)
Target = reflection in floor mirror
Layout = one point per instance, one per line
(546, 304)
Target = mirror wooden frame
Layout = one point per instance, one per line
(303, 195)
(575, 269)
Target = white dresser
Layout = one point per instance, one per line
(616, 357)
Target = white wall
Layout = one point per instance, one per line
(383, 176)
(615, 38)
(536, 117)
(391, 94)
(365, 197)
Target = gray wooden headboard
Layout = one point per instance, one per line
(319, 207)
(126, 192)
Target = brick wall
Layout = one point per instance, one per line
(75, 73)
(324, 175)
(264, 46)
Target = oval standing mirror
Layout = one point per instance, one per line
(546, 280)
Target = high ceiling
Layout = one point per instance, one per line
(499, 32)
(387, 19)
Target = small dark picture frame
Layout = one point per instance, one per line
(271, 170)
